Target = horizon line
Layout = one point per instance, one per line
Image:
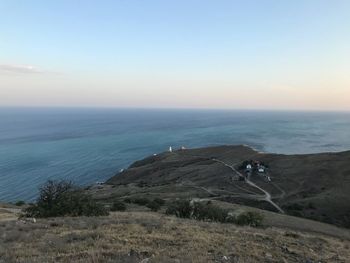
(168, 108)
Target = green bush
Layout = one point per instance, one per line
(128, 200)
(140, 201)
(180, 208)
(209, 212)
(64, 199)
(249, 219)
(197, 210)
(118, 206)
(154, 206)
(20, 203)
(160, 201)
(137, 200)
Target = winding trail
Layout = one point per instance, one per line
(267, 196)
(283, 193)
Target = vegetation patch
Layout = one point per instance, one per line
(207, 211)
(137, 200)
(61, 198)
(249, 219)
(154, 204)
(160, 201)
(20, 203)
(118, 206)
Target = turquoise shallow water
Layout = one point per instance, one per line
(89, 145)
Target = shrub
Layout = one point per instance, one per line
(209, 212)
(20, 203)
(181, 208)
(64, 199)
(127, 200)
(140, 201)
(137, 200)
(160, 201)
(118, 206)
(142, 184)
(311, 206)
(295, 206)
(154, 206)
(197, 210)
(249, 218)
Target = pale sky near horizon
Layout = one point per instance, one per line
(262, 54)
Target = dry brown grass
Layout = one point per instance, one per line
(136, 236)
(7, 214)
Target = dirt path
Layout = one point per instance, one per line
(283, 193)
(267, 197)
(9, 214)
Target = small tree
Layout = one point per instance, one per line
(118, 206)
(154, 206)
(160, 201)
(249, 218)
(64, 199)
(180, 208)
(141, 201)
(205, 211)
(128, 200)
(209, 211)
(20, 203)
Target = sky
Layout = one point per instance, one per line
(262, 54)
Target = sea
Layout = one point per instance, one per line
(89, 145)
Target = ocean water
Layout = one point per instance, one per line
(89, 145)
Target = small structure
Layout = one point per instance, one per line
(183, 148)
(249, 167)
(170, 149)
(261, 169)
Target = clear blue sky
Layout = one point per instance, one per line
(291, 54)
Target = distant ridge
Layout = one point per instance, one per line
(314, 186)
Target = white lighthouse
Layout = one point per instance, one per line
(170, 149)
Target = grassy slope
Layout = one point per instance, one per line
(134, 236)
(140, 234)
(315, 186)
(318, 183)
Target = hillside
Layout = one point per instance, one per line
(153, 237)
(314, 186)
(299, 186)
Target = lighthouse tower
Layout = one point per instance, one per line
(170, 149)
